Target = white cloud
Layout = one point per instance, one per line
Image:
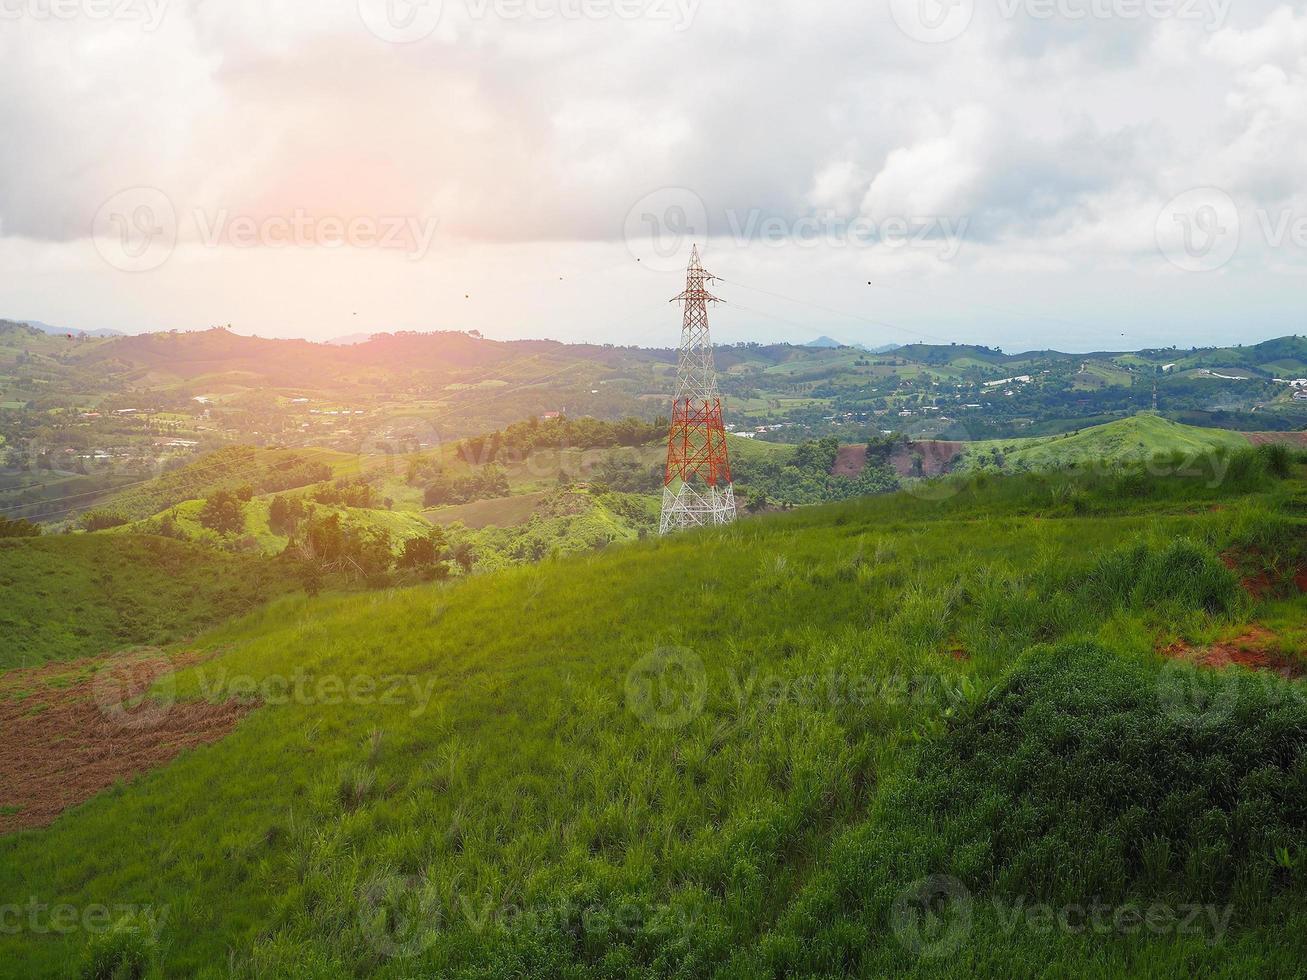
(1057, 139)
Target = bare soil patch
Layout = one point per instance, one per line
(74, 729)
(1254, 649)
(1259, 584)
(936, 458)
(1294, 439)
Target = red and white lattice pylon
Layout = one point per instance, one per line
(697, 487)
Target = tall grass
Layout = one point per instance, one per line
(527, 818)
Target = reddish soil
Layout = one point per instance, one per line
(74, 729)
(1295, 439)
(1256, 586)
(1260, 585)
(1252, 650)
(936, 458)
(849, 461)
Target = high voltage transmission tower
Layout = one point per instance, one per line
(697, 485)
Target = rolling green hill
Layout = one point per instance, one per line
(264, 470)
(745, 752)
(1136, 439)
(399, 525)
(69, 596)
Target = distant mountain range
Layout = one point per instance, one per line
(831, 342)
(76, 332)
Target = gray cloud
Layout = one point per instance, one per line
(524, 131)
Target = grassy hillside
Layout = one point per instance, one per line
(260, 536)
(1136, 439)
(264, 470)
(729, 753)
(69, 596)
(560, 522)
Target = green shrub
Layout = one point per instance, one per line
(1182, 574)
(1276, 458)
(1081, 779)
(99, 520)
(127, 951)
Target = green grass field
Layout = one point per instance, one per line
(69, 596)
(1140, 438)
(399, 524)
(743, 753)
(263, 469)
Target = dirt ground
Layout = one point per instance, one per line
(936, 458)
(1294, 439)
(74, 729)
(1254, 649)
(1259, 584)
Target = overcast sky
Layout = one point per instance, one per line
(1082, 174)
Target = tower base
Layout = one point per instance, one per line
(690, 505)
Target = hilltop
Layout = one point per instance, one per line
(1144, 437)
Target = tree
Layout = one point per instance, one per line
(425, 554)
(222, 513)
(168, 527)
(98, 520)
(18, 529)
(464, 556)
(285, 514)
